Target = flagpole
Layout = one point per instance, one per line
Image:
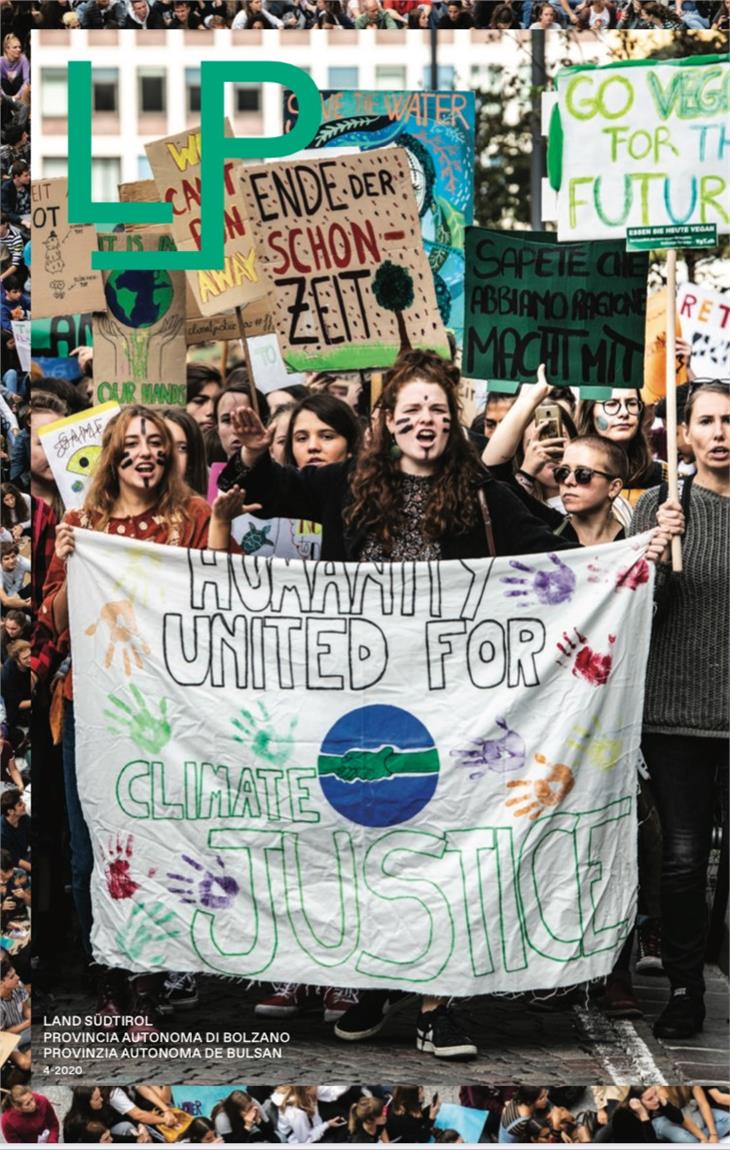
(671, 395)
(247, 359)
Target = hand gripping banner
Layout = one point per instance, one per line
(412, 774)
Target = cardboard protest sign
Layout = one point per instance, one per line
(63, 279)
(139, 340)
(21, 335)
(640, 144)
(72, 446)
(340, 238)
(58, 336)
(292, 750)
(436, 129)
(655, 349)
(175, 162)
(578, 308)
(705, 319)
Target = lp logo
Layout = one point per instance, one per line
(215, 149)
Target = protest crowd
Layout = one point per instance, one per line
(384, 467)
(611, 1115)
(390, 15)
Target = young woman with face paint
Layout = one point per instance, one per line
(188, 448)
(411, 493)
(137, 493)
(685, 703)
(621, 419)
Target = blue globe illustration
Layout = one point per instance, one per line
(139, 298)
(378, 766)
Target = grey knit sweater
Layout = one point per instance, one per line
(687, 673)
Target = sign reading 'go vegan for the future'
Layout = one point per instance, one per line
(640, 144)
(317, 772)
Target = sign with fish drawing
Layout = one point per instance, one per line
(319, 772)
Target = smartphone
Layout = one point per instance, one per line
(548, 421)
(340, 1121)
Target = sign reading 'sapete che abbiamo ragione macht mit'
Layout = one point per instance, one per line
(402, 774)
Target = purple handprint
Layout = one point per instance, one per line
(499, 755)
(208, 887)
(549, 585)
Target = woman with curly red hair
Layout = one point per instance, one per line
(416, 492)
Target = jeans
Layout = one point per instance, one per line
(82, 856)
(682, 770)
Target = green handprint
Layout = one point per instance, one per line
(263, 741)
(150, 734)
(146, 925)
(601, 751)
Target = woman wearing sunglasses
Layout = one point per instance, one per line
(620, 418)
(590, 479)
(685, 704)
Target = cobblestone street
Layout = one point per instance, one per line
(516, 1044)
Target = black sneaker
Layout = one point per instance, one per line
(649, 959)
(179, 992)
(438, 1033)
(371, 1013)
(682, 1017)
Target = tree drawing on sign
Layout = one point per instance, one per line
(393, 291)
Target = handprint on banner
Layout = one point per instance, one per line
(256, 733)
(148, 925)
(628, 579)
(499, 755)
(537, 794)
(119, 881)
(141, 575)
(151, 733)
(601, 751)
(593, 666)
(206, 886)
(120, 619)
(547, 586)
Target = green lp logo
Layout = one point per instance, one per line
(215, 149)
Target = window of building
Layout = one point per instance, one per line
(446, 77)
(144, 171)
(54, 94)
(342, 78)
(247, 97)
(105, 89)
(106, 175)
(390, 77)
(152, 88)
(54, 167)
(192, 88)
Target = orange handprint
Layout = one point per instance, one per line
(119, 618)
(544, 794)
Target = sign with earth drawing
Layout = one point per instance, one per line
(139, 340)
(351, 774)
(436, 129)
(340, 239)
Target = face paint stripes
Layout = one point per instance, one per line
(126, 461)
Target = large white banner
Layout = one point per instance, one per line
(366, 775)
(640, 144)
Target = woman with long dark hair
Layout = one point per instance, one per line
(621, 419)
(240, 1119)
(188, 448)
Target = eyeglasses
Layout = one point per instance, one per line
(582, 475)
(613, 406)
(696, 384)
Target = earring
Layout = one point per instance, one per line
(395, 451)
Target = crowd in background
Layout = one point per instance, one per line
(614, 1115)
(383, 14)
(15, 555)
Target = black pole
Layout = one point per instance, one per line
(434, 57)
(537, 157)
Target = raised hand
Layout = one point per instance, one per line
(65, 542)
(254, 437)
(228, 505)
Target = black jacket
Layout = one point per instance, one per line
(323, 493)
